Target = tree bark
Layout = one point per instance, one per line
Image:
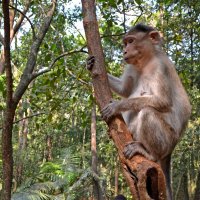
(116, 179)
(48, 150)
(96, 187)
(145, 178)
(23, 132)
(9, 112)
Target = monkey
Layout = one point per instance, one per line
(154, 103)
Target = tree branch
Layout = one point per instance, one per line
(21, 18)
(47, 69)
(30, 116)
(27, 117)
(27, 75)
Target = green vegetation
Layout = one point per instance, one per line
(51, 132)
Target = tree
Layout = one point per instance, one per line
(13, 98)
(9, 112)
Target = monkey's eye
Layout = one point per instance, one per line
(131, 40)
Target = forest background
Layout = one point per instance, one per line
(54, 106)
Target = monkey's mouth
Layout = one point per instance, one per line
(128, 58)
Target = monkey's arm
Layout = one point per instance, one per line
(122, 86)
(135, 104)
(138, 103)
(159, 98)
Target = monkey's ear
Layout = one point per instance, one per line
(155, 37)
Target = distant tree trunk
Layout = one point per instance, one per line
(116, 179)
(48, 150)
(2, 62)
(145, 178)
(182, 191)
(96, 187)
(23, 132)
(197, 190)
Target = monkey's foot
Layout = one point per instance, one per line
(134, 148)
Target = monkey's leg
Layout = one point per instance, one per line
(152, 131)
(158, 139)
(166, 165)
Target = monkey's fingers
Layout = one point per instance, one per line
(128, 154)
(129, 151)
(90, 62)
(107, 112)
(106, 115)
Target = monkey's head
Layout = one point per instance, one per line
(140, 44)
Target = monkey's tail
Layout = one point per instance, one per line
(166, 166)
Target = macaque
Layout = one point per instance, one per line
(155, 105)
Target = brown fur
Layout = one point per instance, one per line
(155, 105)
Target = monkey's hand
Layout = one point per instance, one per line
(90, 62)
(110, 110)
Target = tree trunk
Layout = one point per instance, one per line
(197, 190)
(96, 187)
(23, 132)
(9, 112)
(116, 179)
(48, 151)
(145, 178)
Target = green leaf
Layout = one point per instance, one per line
(139, 2)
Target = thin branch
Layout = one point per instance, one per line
(78, 31)
(47, 69)
(20, 20)
(113, 35)
(80, 80)
(27, 117)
